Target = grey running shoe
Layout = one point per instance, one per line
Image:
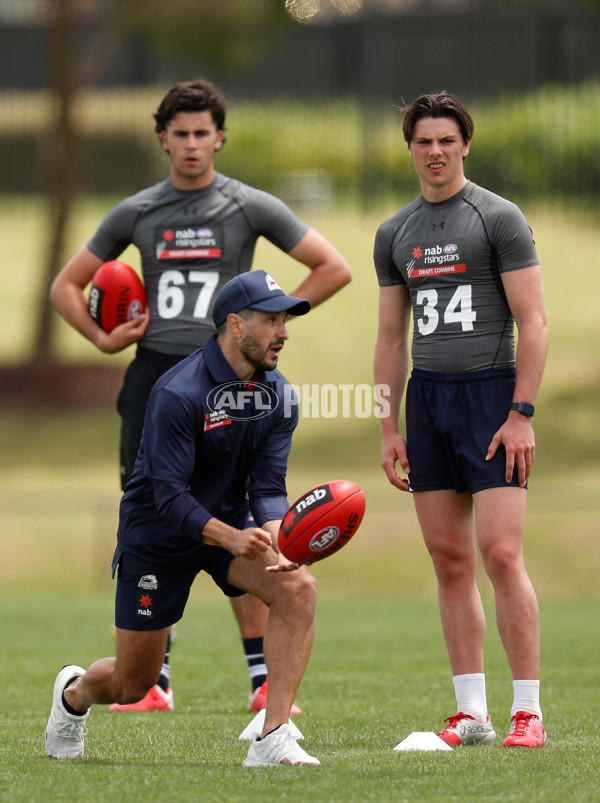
(465, 729)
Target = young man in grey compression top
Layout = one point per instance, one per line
(463, 261)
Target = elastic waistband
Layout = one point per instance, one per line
(144, 353)
(465, 376)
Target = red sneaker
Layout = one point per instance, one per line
(526, 730)
(465, 729)
(156, 700)
(257, 700)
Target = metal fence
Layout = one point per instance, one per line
(473, 51)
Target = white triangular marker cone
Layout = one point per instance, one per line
(256, 726)
(423, 740)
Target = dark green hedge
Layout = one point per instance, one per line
(542, 144)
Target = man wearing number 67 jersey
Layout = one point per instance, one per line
(463, 260)
(195, 230)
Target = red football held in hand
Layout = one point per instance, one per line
(321, 521)
(117, 295)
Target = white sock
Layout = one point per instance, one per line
(470, 695)
(526, 697)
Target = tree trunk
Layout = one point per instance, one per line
(62, 173)
(70, 71)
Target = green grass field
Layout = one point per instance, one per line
(379, 668)
(378, 673)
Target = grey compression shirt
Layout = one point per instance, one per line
(191, 243)
(450, 255)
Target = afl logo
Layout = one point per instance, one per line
(451, 248)
(204, 233)
(135, 309)
(323, 539)
(242, 400)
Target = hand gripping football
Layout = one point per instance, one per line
(321, 521)
(117, 295)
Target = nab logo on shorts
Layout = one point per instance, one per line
(145, 605)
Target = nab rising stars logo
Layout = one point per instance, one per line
(434, 260)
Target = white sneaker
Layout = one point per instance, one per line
(64, 731)
(279, 747)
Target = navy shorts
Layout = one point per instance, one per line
(150, 598)
(450, 422)
(153, 599)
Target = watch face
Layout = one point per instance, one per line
(523, 407)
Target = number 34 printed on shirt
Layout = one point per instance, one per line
(172, 292)
(459, 310)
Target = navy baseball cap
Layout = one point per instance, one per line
(255, 290)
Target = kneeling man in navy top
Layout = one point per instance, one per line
(213, 454)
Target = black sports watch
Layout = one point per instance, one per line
(525, 408)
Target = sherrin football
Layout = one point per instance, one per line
(117, 295)
(321, 521)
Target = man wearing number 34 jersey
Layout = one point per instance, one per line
(195, 231)
(462, 262)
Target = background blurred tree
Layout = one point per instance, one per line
(83, 38)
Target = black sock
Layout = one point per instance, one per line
(260, 738)
(69, 709)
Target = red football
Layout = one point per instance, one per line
(117, 295)
(321, 521)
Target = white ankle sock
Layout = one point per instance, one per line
(526, 697)
(470, 695)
